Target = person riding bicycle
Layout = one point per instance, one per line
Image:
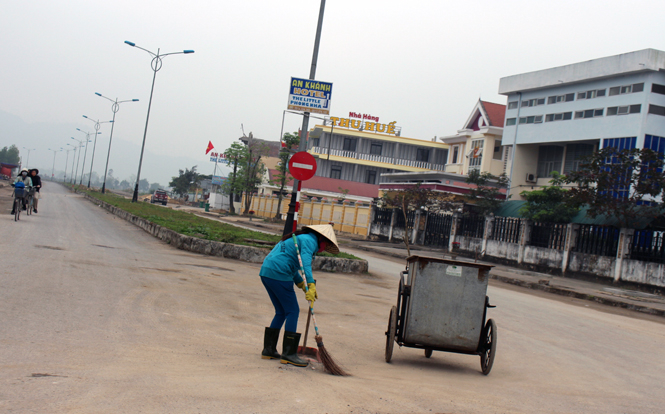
(24, 178)
(37, 184)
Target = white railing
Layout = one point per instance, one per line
(379, 158)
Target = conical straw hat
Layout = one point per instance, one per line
(326, 230)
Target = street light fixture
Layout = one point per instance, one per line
(85, 154)
(156, 65)
(92, 160)
(28, 159)
(115, 108)
(53, 167)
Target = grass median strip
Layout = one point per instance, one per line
(190, 224)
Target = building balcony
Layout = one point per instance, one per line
(377, 160)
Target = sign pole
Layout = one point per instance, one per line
(290, 222)
(302, 167)
(295, 214)
(214, 173)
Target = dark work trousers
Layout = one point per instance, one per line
(284, 300)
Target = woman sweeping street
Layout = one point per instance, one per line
(279, 273)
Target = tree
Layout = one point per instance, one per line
(111, 182)
(344, 191)
(144, 185)
(624, 184)
(486, 194)
(283, 176)
(549, 203)
(185, 180)
(124, 185)
(10, 155)
(416, 197)
(252, 169)
(154, 187)
(234, 154)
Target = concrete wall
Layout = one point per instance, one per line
(502, 250)
(526, 162)
(469, 244)
(380, 230)
(602, 266)
(643, 272)
(542, 257)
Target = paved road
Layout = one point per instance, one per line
(97, 316)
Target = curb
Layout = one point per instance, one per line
(546, 288)
(578, 295)
(219, 249)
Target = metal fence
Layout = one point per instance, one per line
(472, 226)
(382, 215)
(598, 240)
(437, 231)
(548, 235)
(506, 229)
(647, 245)
(399, 219)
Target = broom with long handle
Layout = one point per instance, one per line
(328, 361)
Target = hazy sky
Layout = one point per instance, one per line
(423, 64)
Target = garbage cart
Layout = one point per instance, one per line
(442, 306)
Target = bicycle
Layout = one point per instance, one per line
(19, 194)
(29, 203)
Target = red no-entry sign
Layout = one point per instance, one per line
(302, 166)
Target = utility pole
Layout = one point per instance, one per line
(288, 226)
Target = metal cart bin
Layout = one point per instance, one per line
(441, 306)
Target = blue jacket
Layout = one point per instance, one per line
(282, 262)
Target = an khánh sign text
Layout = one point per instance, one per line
(310, 96)
(218, 157)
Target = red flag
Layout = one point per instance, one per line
(210, 147)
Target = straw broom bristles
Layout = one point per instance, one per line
(327, 360)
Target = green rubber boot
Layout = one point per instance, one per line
(290, 350)
(270, 338)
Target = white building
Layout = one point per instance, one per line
(556, 116)
(478, 145)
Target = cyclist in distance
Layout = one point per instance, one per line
(37, 184)
(26, 180)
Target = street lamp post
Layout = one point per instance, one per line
(92, 159)
(53, 167)
(115, 108)
(64, 179)
(85, 154)
(79, 157)
(156, 65)
(72, 179)
(27, 161)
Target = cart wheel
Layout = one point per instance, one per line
(390, 333)
(488, 347)
(428, 353)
